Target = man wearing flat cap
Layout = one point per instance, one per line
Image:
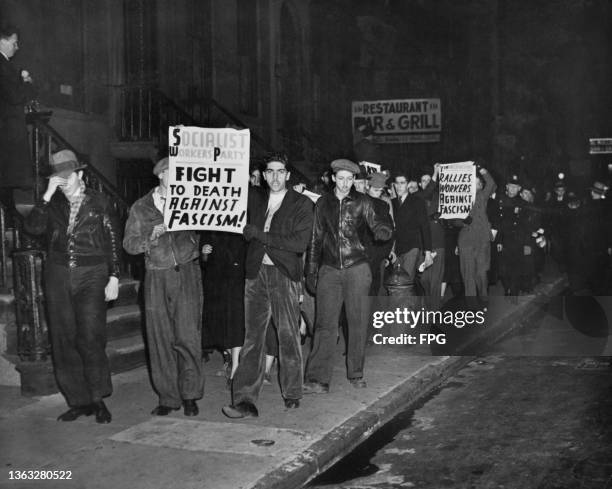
(338, 272)
(81, 273)
(173, 299)
(378, 250)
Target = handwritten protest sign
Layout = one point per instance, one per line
(370, 167)
(457, 188)
(208, 179)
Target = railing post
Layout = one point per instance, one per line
(3, 247)
(33, 345)
(35, 145)
(33, 338)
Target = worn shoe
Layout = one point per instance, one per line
(163, 410)
(292, 403)
(102, 413)
(315, 388)
(190, 408)
(358, 383)
(76, 411)
(241, 410)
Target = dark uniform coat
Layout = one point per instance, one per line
(15, 164)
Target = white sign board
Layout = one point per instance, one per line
(457, 189)
(401, 120)
(370, 167)
(208, 179)
(599, 146)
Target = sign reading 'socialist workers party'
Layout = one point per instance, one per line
(208, 179)
(401, 121)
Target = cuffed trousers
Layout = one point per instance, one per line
(270, 295)
(173, 305)
(335, 287)
(474, 263)
(77, 323)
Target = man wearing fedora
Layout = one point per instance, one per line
(338, 272)
(81, 274)
(173, 299)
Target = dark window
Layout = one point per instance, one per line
(247, 55)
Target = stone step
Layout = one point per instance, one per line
(123, 321)
(126, 353)
(129, 290)
(38, 379)
(125, 347)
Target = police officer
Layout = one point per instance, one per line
(507, 217)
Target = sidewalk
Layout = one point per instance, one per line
(210, 451)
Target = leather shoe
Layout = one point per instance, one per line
(315, 388)
(292, 403)
(358, 383)
(76, 411)
(163, 410)
(241, 410)
(102, 413)
(190, 408)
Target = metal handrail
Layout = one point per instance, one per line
(170, 109)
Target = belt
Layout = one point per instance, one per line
(73, 261)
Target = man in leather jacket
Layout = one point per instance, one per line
(339, 272)
(173, 299)
(280, 223)
(81, 273)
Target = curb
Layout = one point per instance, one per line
(346, 437)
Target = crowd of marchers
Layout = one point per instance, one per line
(308, 263)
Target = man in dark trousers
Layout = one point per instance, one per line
(412, 231)
(378, 250)
(280, 223)
(507, 222)
(16, 90)
(81, 273)
(339, 273)
(173, 299)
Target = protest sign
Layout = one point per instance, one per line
(208, 179)
(457, 189)
(370, 167)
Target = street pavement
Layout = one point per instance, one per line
(280, 449)
(528, 422)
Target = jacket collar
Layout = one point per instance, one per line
(290, 196)
(352, 195)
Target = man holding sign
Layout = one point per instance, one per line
(280, 224)
(173, 299)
